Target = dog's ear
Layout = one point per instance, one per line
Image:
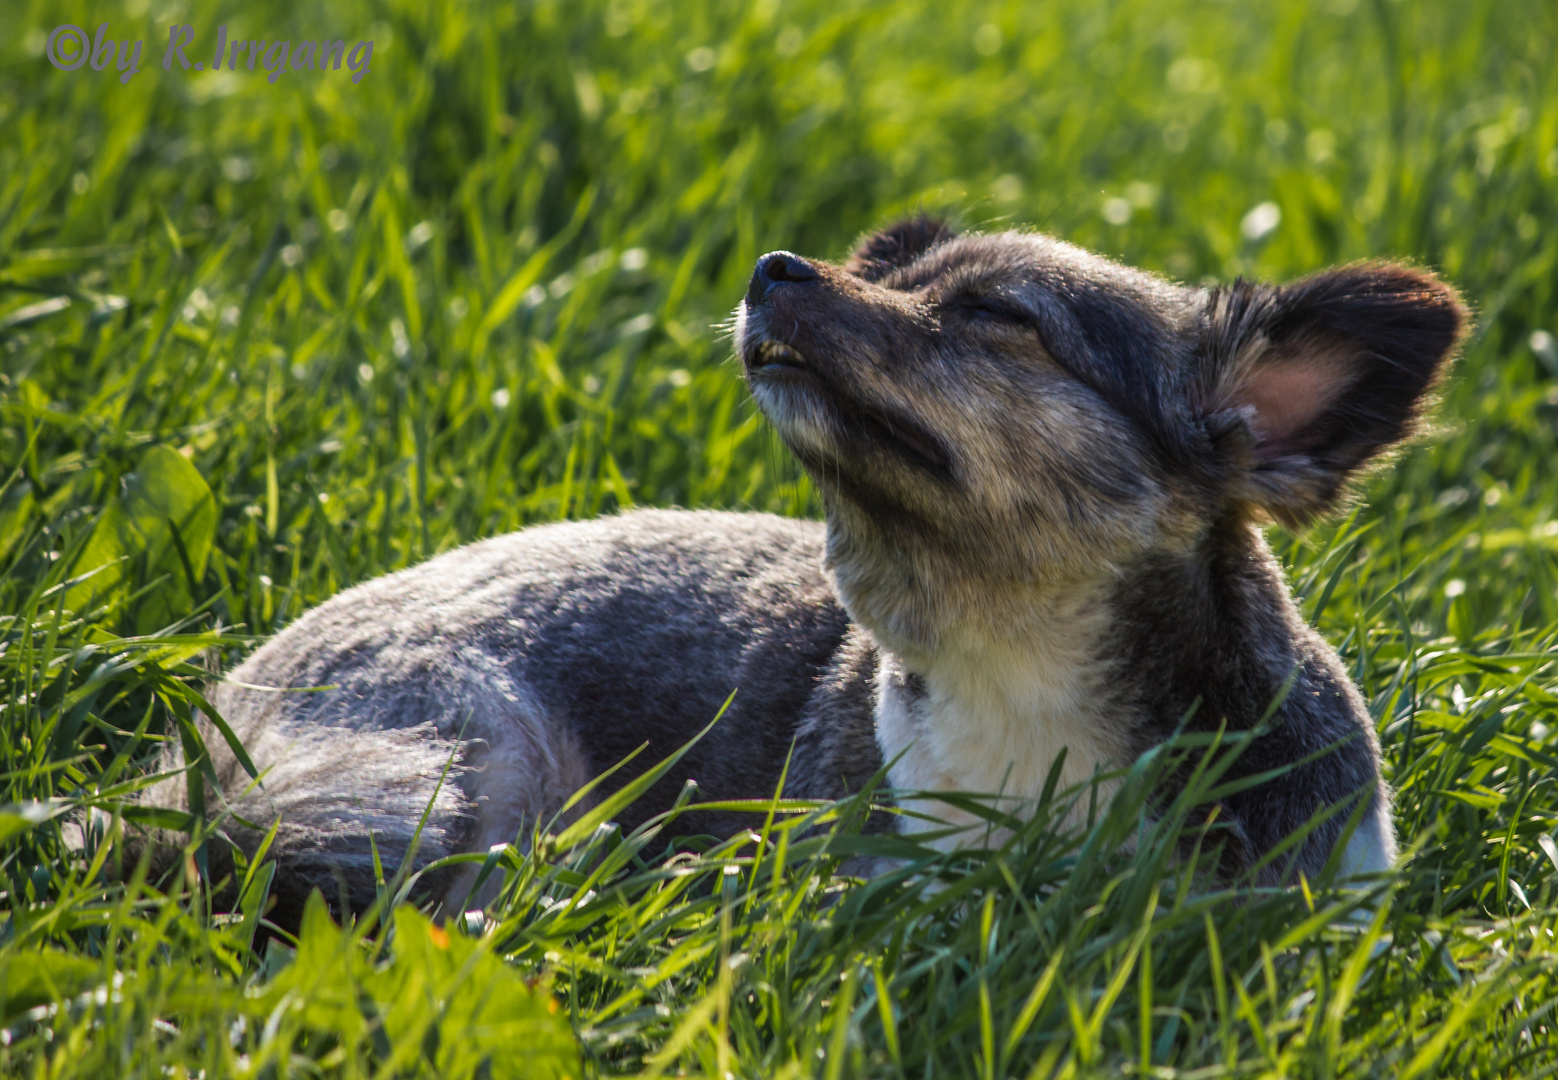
(1304, 384)
(897, 245)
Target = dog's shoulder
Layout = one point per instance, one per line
(836, 750)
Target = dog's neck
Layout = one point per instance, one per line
(981, 687)
(983, 684)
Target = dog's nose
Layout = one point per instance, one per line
(775, 269)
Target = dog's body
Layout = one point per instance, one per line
(1042, 473)
(555, 652)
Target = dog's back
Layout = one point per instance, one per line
(532, 662)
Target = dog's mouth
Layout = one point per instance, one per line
(770, 358)
(775, 354)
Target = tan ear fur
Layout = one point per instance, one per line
(1307, 383)
(1285, 391)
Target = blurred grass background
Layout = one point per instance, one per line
(344, 326)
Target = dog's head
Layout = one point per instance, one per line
(985, 412)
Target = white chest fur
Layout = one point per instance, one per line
(989, 714)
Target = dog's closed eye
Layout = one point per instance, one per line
(990, 309)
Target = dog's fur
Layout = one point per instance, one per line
(1043, 475)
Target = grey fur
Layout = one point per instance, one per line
(556, 652)
(1042, 473)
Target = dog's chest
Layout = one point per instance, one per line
(993, 718)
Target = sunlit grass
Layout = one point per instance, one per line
(334, 328)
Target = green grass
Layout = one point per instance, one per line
(334, 328)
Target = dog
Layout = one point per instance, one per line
(1044, 477)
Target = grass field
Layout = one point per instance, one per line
(333, 328)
